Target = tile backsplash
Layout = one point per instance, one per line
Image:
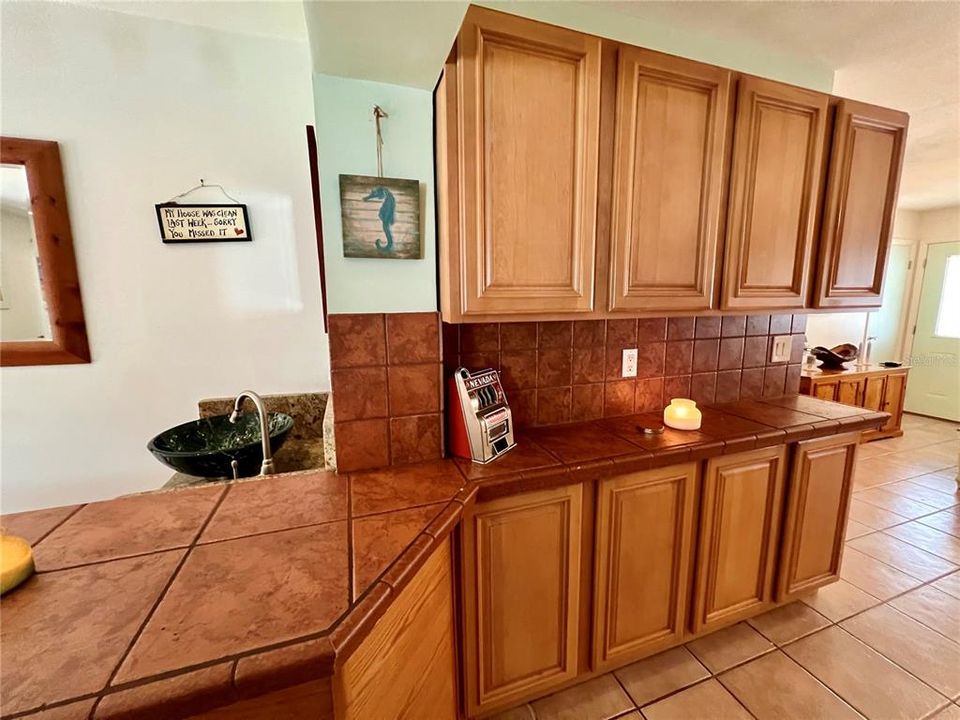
(387, 390)
(568, 371)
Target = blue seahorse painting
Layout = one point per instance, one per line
(380, 217)
(385, 214)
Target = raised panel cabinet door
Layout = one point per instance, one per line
(850, 392)
(893, 391)
(672, 122)
(818, 498)
(865, 164)
(776, 177)
(644, 531)
(529, 114)
(739, 529)
(873, 390)
(521, 576)
(826, 390)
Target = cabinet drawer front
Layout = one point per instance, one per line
(868, 145)
(521, 596)
(644, 545)
(529, 135)
(816, 516)
(740, 525)
(670, 169)
(775, 192)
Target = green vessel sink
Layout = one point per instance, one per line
(206, 447)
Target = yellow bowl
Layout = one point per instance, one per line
(16, 562)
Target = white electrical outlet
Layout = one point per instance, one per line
(781, 348)
(629, 368)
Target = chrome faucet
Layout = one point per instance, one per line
(266, 467)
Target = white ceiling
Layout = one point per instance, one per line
(904, 55)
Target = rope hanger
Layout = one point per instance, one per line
(202, 185)
(378, 114)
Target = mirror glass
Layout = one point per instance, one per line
(23, 311)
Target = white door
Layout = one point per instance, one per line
(933, 387)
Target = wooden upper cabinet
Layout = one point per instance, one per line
(774, 195)
(644, 545)
(816, 515)
(528, 117)
(672, 122)
(867, 156)
(739, 532)
(521, 596)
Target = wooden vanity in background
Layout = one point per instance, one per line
(873, 387)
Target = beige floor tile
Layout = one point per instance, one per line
(632, 715)
(705, 701)
(923, 494)
(873, 516)
(789, 622)
(731, 646)
(903, 506)
(947, 521)
(911, 645)
(774, 687)
(839, 600)
(950, 712)
(903, 556)
(856, 529)
(927, 538)
(934, 608)
(874, 576)
(654, 677)
(873, 449)
(863, 677)
(523, 712)
(949, 584)
(944, 481)
(599, 699)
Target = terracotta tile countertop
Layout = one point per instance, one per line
(172, 603)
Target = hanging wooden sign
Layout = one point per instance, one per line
(180, 223)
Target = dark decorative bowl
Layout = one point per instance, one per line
(835, 357)
(205, 447)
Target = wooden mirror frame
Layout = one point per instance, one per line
(58, 264)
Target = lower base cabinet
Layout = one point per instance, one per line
(644, 552)
(740, 515)
(873, 388)
(521, 596)
(818, 500)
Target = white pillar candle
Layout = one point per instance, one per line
(682, 414)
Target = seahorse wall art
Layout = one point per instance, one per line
(380, 217)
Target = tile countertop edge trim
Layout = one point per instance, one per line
(316, 656)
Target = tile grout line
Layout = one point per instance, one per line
(163, 593)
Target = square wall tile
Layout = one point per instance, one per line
(588, 364)
(553, 405)
(555, 334)
(731, 354)
(651, 329)
(414, 389)
(758, 324)
(362, 444)
(649, 395)
(751, 383)
(733, 326)
(361, 393)
(755, 351)
(518, 336)
(413, 337)
(678, 358)
(479, 337)
(675, 387)
(650, 360)
(705, 355)
(728, 386)
(518, 369)
(554, 367)
(781, 324)
(357, 340)
(586, 402)
(708, 327)
(774, 380)
(413, 439)
(589, 333)
(680, 328)
(703, 388)
(621, 333)
(618, 398)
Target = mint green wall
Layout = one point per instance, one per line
(345, 136)
(346, 145)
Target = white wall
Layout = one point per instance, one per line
(142, 108)
(829, 329)
(346, 144)
(23, 315)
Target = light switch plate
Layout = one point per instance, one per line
(781, 349)
(629, 365)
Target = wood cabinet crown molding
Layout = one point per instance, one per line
(864, 177)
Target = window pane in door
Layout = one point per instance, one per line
(948, 314)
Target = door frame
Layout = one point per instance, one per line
(914, 289)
